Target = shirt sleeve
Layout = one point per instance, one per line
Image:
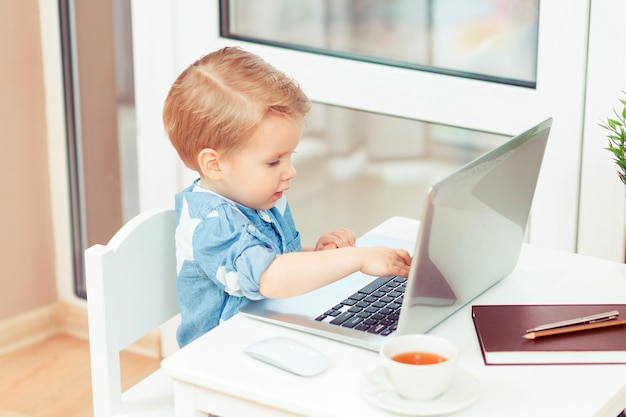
(232, 254)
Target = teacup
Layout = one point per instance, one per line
(420, 367)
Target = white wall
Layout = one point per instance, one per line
(601, 224)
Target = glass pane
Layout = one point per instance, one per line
(357, 169)
(495, 40)
(126, 129)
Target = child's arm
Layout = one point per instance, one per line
(297, 273)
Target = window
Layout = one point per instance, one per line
(492, 40)
(186, 30)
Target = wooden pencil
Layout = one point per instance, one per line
(570, 329)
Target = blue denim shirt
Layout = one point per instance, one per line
(222, 248)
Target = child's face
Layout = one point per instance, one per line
(257, 174)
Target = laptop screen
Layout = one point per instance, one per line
(472, 230)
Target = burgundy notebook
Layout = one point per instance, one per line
(500, 329)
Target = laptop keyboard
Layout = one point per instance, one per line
(375, 308)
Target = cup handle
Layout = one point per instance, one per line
(377, 378)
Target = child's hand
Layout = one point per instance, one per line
(338, 239)
(385, 261)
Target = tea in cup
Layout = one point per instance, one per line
(420, 367)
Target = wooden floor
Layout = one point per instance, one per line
(53, 379)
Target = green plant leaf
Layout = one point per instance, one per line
(617, 138)
(614, 123)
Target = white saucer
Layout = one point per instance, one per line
(377, 390)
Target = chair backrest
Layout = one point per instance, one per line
(131, 290)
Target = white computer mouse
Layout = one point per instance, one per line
(289, 354)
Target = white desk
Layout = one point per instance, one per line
(212, 374)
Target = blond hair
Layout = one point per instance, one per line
(219, 100)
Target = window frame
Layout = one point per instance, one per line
(184, 31)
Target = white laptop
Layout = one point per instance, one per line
(471, 233)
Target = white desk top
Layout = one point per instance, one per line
(213, 374)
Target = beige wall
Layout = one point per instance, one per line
(33, 272)
(27, 270)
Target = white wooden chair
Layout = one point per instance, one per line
(131, 290)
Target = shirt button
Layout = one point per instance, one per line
(251, 228)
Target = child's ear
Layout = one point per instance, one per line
(208, 161)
